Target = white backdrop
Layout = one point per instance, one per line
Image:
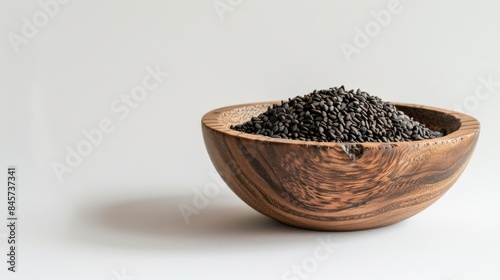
(138, 75)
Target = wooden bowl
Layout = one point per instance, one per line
(339, 186)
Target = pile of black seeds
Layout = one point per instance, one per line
(337, 115)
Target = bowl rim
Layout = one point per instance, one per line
(469, 126)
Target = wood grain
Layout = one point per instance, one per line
(339, 186)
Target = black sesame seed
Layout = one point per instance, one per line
(337, 115)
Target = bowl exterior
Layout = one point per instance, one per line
(342, 186)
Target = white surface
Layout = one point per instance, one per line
(118, 211)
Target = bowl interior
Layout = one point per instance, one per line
(433, 119)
